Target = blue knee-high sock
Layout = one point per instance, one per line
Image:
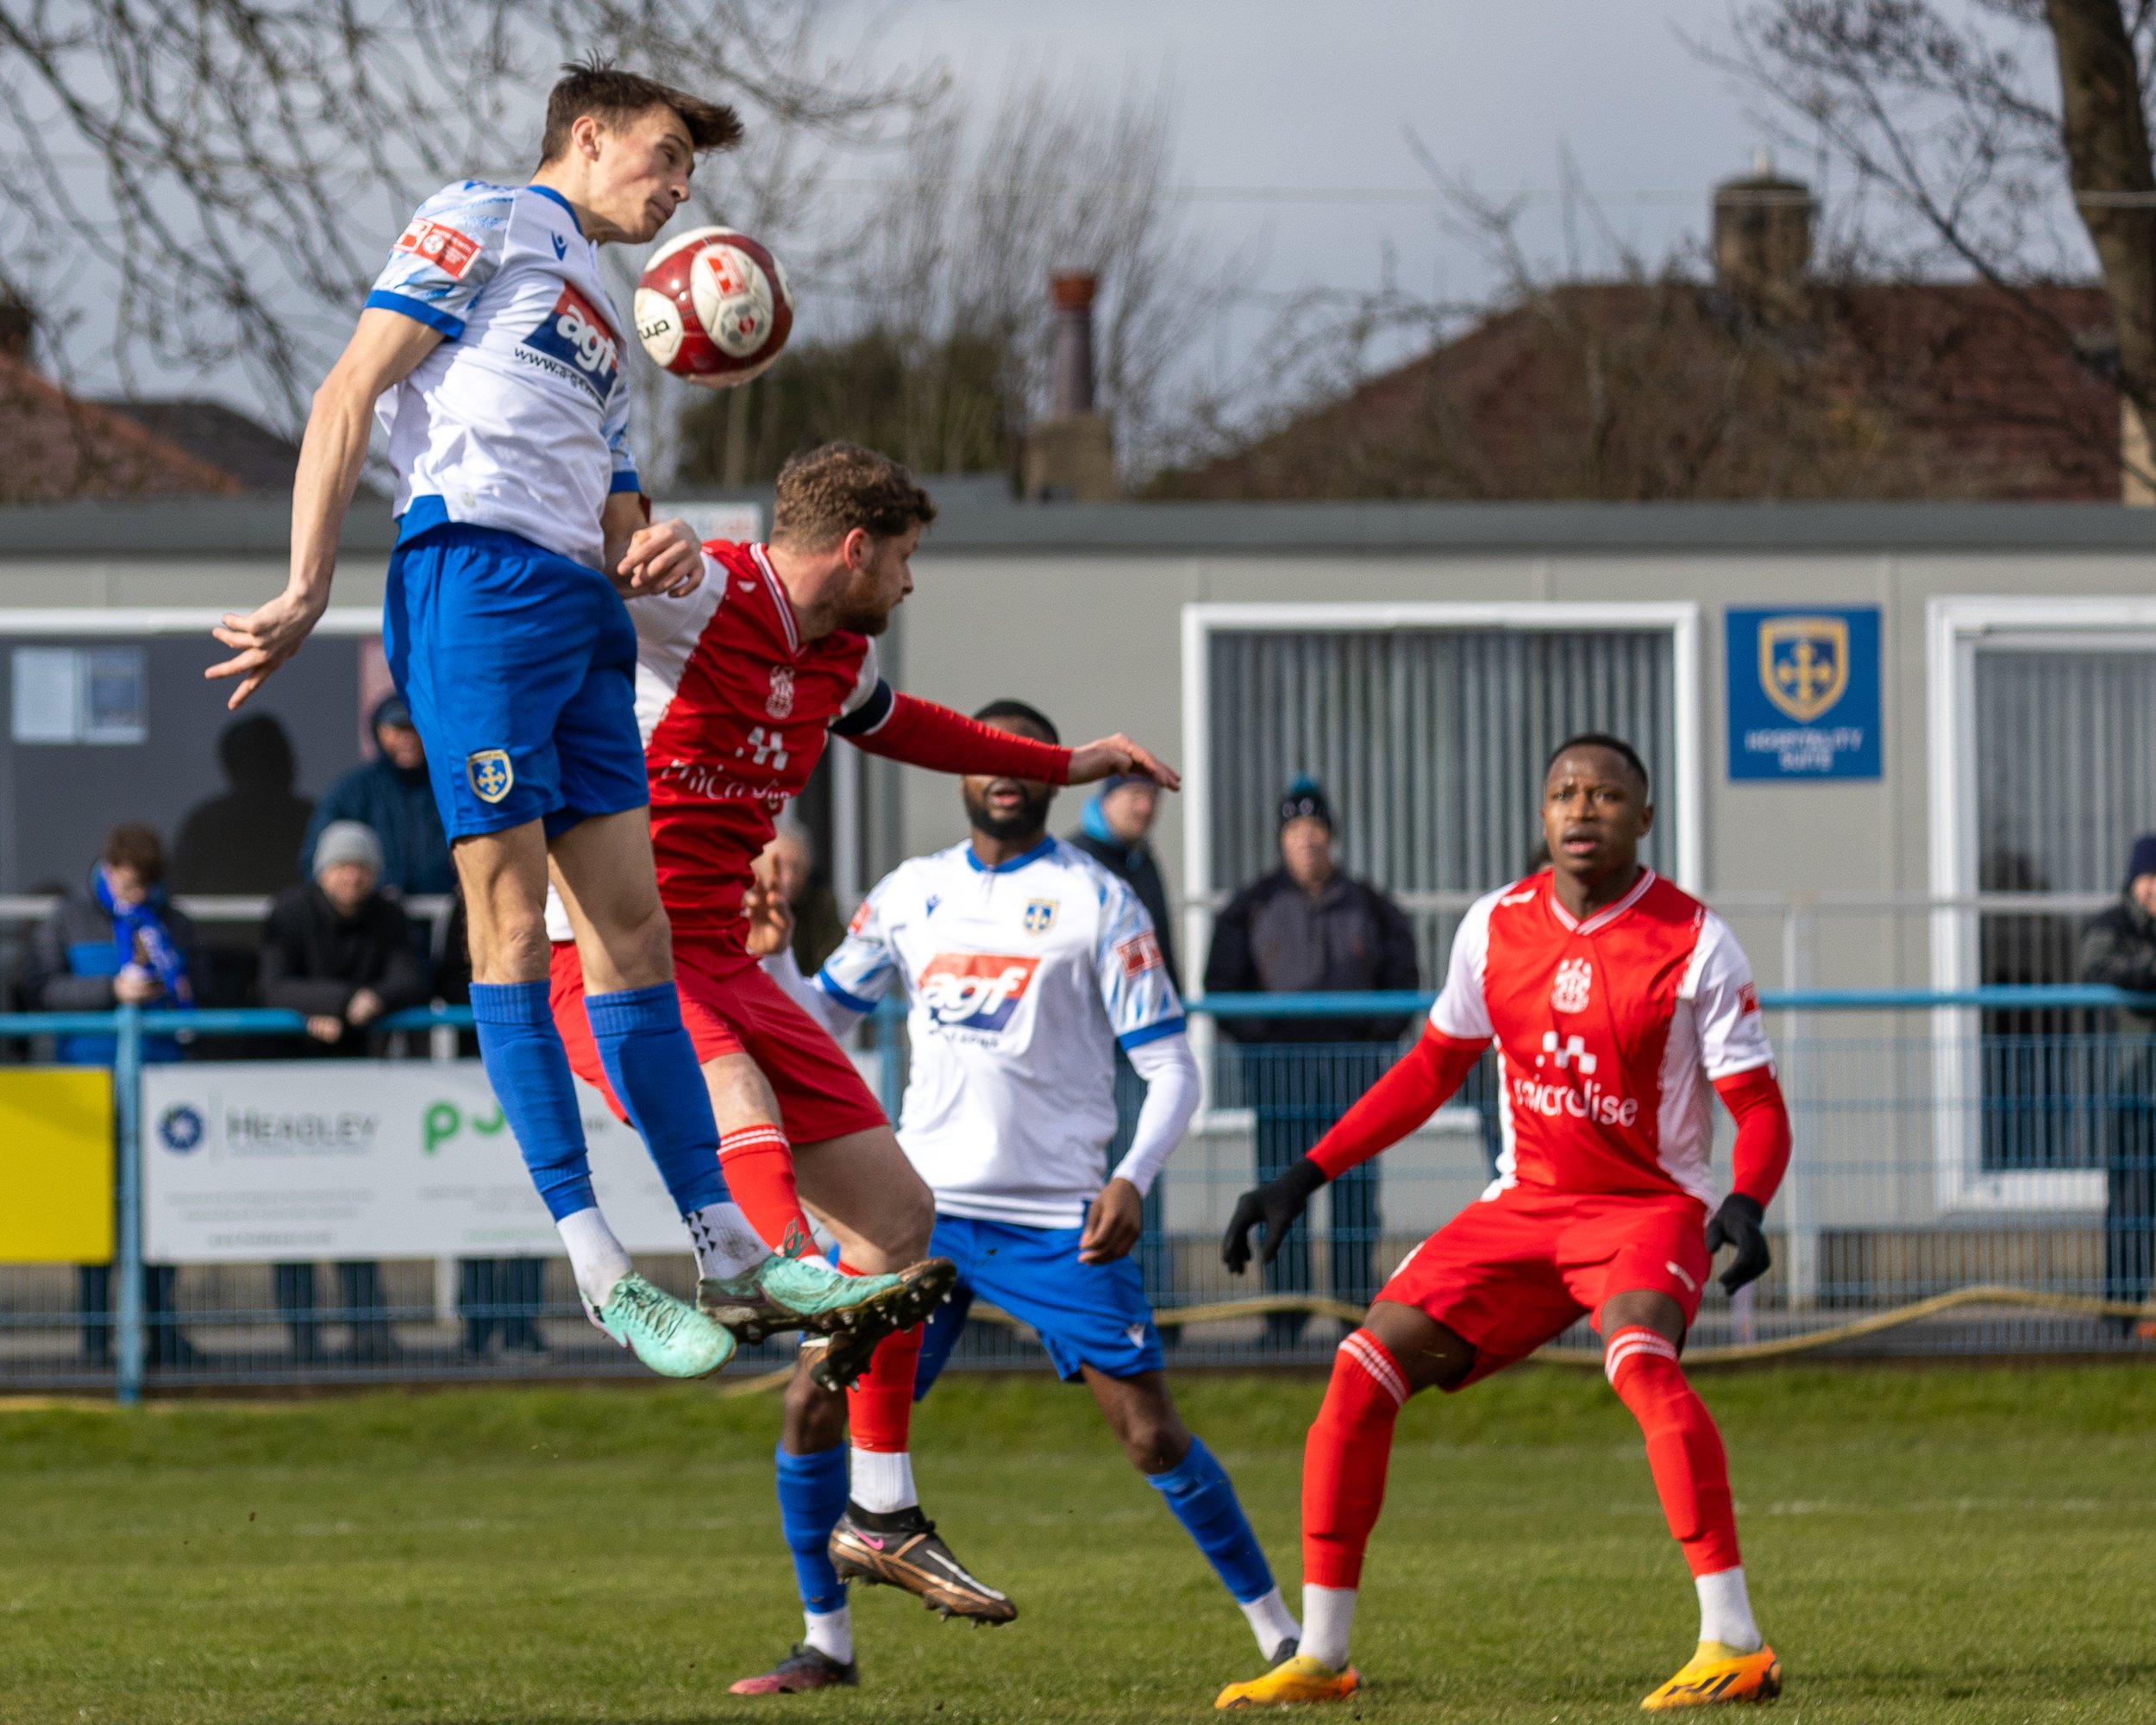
(1197, 1491)
(651, 1064)
(530, 1070)
(812, 1498)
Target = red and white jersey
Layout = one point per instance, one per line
(1610, 1032)
(736, 711)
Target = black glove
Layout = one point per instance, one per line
(1738, 1223)
(1277, 1204)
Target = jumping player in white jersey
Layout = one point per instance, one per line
(1616, 1003)
(493, 358)
(1024, 964)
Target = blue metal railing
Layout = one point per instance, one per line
(129, 1025)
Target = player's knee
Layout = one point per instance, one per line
(815, 1417)
(1155, 1441)
(509, 944)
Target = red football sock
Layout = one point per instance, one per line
(758, 1164)
(879, 1406)
(1344, 1458)
(1684, 1450)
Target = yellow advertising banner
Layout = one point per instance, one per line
(55, 1164)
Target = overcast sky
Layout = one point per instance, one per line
(1281, 93)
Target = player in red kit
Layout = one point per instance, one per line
(1616, 1001)
(739, 685)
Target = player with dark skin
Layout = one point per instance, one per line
(1595, 812)
(1008, 817)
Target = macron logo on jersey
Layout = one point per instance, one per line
(444, 247)
(975, 991)
(577, 341)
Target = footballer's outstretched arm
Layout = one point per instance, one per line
(1418, 1084)
(385, 349)
(1118, 1216)
(923, 733)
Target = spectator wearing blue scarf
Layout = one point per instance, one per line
(116, 940)
(1113, 831)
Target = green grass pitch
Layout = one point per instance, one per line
(1924, 1545)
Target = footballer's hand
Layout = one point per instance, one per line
(662, 558)
(1274, 1205)
(1118, 753)
(265, 638)
(770, 919)
(1112, 1224)
(1739, 1223)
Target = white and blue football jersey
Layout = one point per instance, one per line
(1019, 981)
(519, 420)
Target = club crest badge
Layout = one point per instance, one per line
(491, 774)
(779, 704)
(1575, 977)
(1804, 663)
(1040, 916)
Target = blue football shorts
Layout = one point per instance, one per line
(520, 668)
(1092, 1314)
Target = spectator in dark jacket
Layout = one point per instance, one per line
(340, 951)
(1114, 830)
(2118, 950)
(1309, 928)
(117, 941)
(392, 794)
(241, 844)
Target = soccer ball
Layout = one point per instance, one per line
(713, 306)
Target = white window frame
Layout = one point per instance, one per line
(1680, 619)
(1957, 627)
(145, 621)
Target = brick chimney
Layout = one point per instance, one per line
(1763, 230)
(1071, 454)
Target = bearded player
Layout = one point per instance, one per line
(1614, 1001)
(1025, 966)
(740, 684)
(490, 353)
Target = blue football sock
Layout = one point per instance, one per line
(1197, 1491)
(530, 1070)
(812, 1498)
(651, 1064)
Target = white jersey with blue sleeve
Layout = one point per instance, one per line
(1019, 981)
(519, 420)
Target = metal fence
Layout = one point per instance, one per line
(1954, 1188)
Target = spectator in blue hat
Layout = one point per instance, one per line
(1310, 927)
(2118, 950)
(391, 793)
(1115, 832)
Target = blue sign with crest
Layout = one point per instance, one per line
(1803, 693)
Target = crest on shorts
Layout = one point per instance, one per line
(491, 774)
(1575, 977)
(780, 705)
(1040, 916)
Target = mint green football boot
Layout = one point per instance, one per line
(668, 1335)
(798, 1290)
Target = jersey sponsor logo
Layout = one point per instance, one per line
(779, 703)
(1580, 1098)
(491, 774)
(1040, 916)
(1575, 977)
(576, 342)
(444, 247)
(1140, 953)
(975, 991)
(860, 918)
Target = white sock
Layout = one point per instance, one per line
(831, 1634)
(883, 1481)
(1725, 1611)
(1328, 1614)
(1269, 1622)
(726, 1243)
(599, 1259)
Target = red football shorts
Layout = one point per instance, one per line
(1512, 1272)
(741, 1010)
